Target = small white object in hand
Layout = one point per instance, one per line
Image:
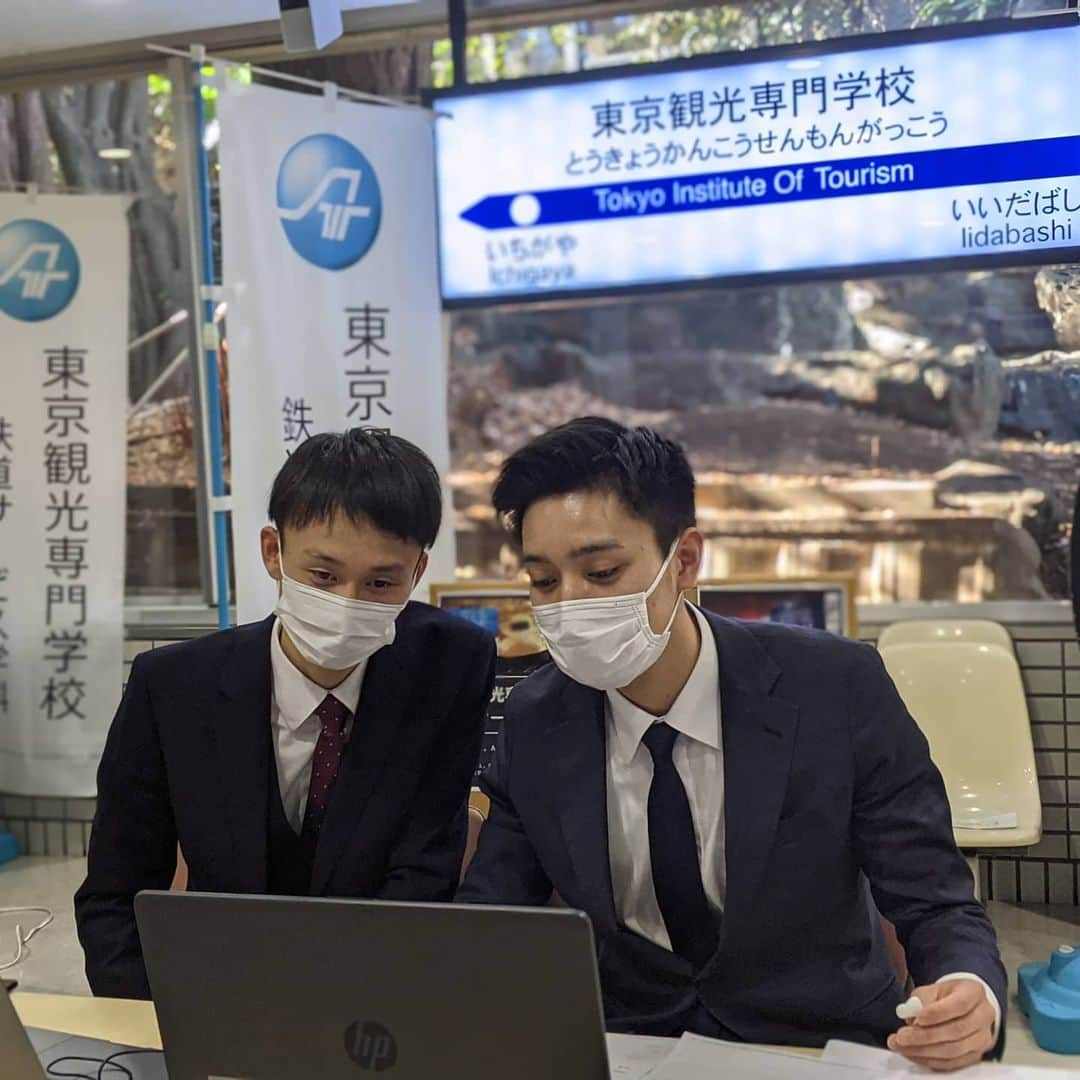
(908, 1010)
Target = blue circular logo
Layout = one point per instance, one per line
(329, 202)
(39, 270)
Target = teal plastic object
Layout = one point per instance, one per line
(9, 849)
(1050, 999)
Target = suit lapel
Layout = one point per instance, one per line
(579, 761)
(377, 726)
(241, 732)
(759, 738)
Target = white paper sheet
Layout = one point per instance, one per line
(697, 1058)
(634, 1057)
(880, 1063)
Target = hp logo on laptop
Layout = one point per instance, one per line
(329, 201)
(371, 1046)
(39, 270)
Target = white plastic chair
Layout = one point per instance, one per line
(961, 682)
(921, 631)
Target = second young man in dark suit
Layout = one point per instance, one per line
(326, 751)
(731, 803)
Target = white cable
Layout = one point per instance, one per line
(23, 940)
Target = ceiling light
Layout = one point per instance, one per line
(114, 153)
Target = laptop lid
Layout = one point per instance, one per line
(20, 1062)
(280, 988)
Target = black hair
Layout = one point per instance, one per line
(649, 474)
(365, 474)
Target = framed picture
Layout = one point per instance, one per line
(823, 602)
(500, 608)
(503, 610)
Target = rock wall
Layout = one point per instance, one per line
(1058, 291)
(892, 377)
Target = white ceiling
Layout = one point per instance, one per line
(31, 26)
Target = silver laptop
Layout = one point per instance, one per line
(276, 988)
(18, 1056)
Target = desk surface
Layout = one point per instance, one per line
(54, 962)
(133, 1023)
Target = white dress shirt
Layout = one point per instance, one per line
(698, 756)
(295, 727)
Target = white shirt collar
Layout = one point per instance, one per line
(296, 696)
(695, 712)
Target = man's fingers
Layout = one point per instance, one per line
(967, 1027)
(950, 1004)
(954, 1029)
(944, 1047)
(971, 1043)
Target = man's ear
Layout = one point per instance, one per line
(688, 558)
(270, 548)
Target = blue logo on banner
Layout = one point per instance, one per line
(329, 201)
(39, 270)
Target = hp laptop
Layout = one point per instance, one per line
(277, 988)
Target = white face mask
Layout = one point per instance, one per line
(333, 631)
(605, 643)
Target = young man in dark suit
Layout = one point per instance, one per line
(327, 751)
(731, 803)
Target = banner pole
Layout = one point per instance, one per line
(292, 80)
(210, 349)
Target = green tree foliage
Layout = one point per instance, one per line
(726, 27)
(669, 34)
(936, 12)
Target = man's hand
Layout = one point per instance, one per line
(954, 1029)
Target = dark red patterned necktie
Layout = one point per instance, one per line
(324, 767)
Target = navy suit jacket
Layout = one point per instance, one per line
(832, 804)
(189, 759)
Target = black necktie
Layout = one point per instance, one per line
(690, 921)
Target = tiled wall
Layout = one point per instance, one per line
(1049, 873)
(47, 826)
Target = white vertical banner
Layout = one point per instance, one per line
(331, 278)
(63, 453)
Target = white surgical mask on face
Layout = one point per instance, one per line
(606, 643)
(333, 631)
